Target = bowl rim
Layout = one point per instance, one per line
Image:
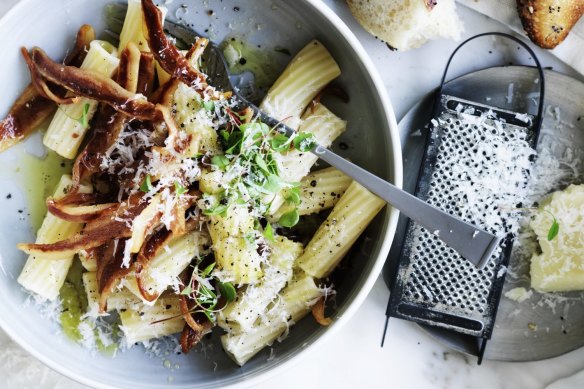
(396, 170)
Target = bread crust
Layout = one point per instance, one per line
(407, 24)
(548, 22)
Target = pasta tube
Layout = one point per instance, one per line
(195, 122)
(71, 121)
(117, 300)
(339, 231)
(162, 319)
(132, 30)
(163, 270)
(304, 77)
(296, 301)
(294, 165)
(236, 250)
(46, 276)
(250, 305)
(319, 190)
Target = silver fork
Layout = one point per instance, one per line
(472, 243)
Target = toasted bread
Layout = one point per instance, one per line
(407, 24)
(548, 22)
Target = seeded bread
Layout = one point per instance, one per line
(548, 22)
(407, 24)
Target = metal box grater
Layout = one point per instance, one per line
(433, 284)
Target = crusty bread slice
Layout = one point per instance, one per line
(407, 24)
(548, 22)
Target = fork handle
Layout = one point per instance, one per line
(470, 242)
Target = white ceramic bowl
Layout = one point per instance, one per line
(372, 140)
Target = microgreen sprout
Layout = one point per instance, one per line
(179, 189)
(269, 232)
(202, 292)
(554, 228)
(146, 184)
(83, 120)
(289, 219)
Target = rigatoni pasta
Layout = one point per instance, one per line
(42, 276)
(70, 123)
(183, 207)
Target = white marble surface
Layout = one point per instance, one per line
(353, 357)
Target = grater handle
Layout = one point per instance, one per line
(472, 243)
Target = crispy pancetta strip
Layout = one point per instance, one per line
(135, 74)
(110, 269)
(31, 109)
(92, 85)
(156, 242)
(167, 55)
(112, 223)
(77, 213)
(189, 337)
(149, 249)
(318, 313)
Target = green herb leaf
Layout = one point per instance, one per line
(293, 195)
(254, 129)
(205, 273)
(273, 183)
(146, 184)
(234, 142)
(186, 291)
(304, 141)
(280, 142)
(84, 120)
(553, 231)
(269, 232)
(209, 315)
(261, 163)
(179, 189)
(289, 219)
(209, 105)
(220, 210)
(220, 161)
(224, 134)
(227, 290)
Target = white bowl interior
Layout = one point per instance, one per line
(371, 139)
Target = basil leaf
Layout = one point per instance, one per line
(289, 219)
(227, 290)
(205, 273)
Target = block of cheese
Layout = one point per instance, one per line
(560, 266)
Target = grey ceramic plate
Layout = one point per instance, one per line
(542, 326)
(372, 141)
